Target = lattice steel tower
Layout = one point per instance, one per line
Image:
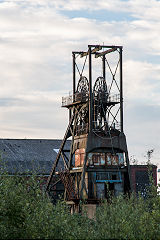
(97, 163)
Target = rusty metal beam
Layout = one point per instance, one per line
(74, 76)
(121, 91)
(76, 52)
(65, 155)
(104, 67)
(105, 46)
(90, 92)
(97, 48)
(105, 52)
(65, 164)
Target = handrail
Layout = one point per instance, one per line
(83, 97)
(77, 97)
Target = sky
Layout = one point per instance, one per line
(37, 38)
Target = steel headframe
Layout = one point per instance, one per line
(73, 111)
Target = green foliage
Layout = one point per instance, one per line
(129, 218)
(27, 213)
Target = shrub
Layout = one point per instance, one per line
(27, 213)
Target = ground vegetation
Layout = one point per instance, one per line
(26, 212)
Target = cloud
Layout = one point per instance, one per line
(33, 116)
(141, 81)
(142, 128)
(146, 9)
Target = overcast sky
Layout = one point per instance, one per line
(36, 41)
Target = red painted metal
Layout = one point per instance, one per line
(142, 168)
